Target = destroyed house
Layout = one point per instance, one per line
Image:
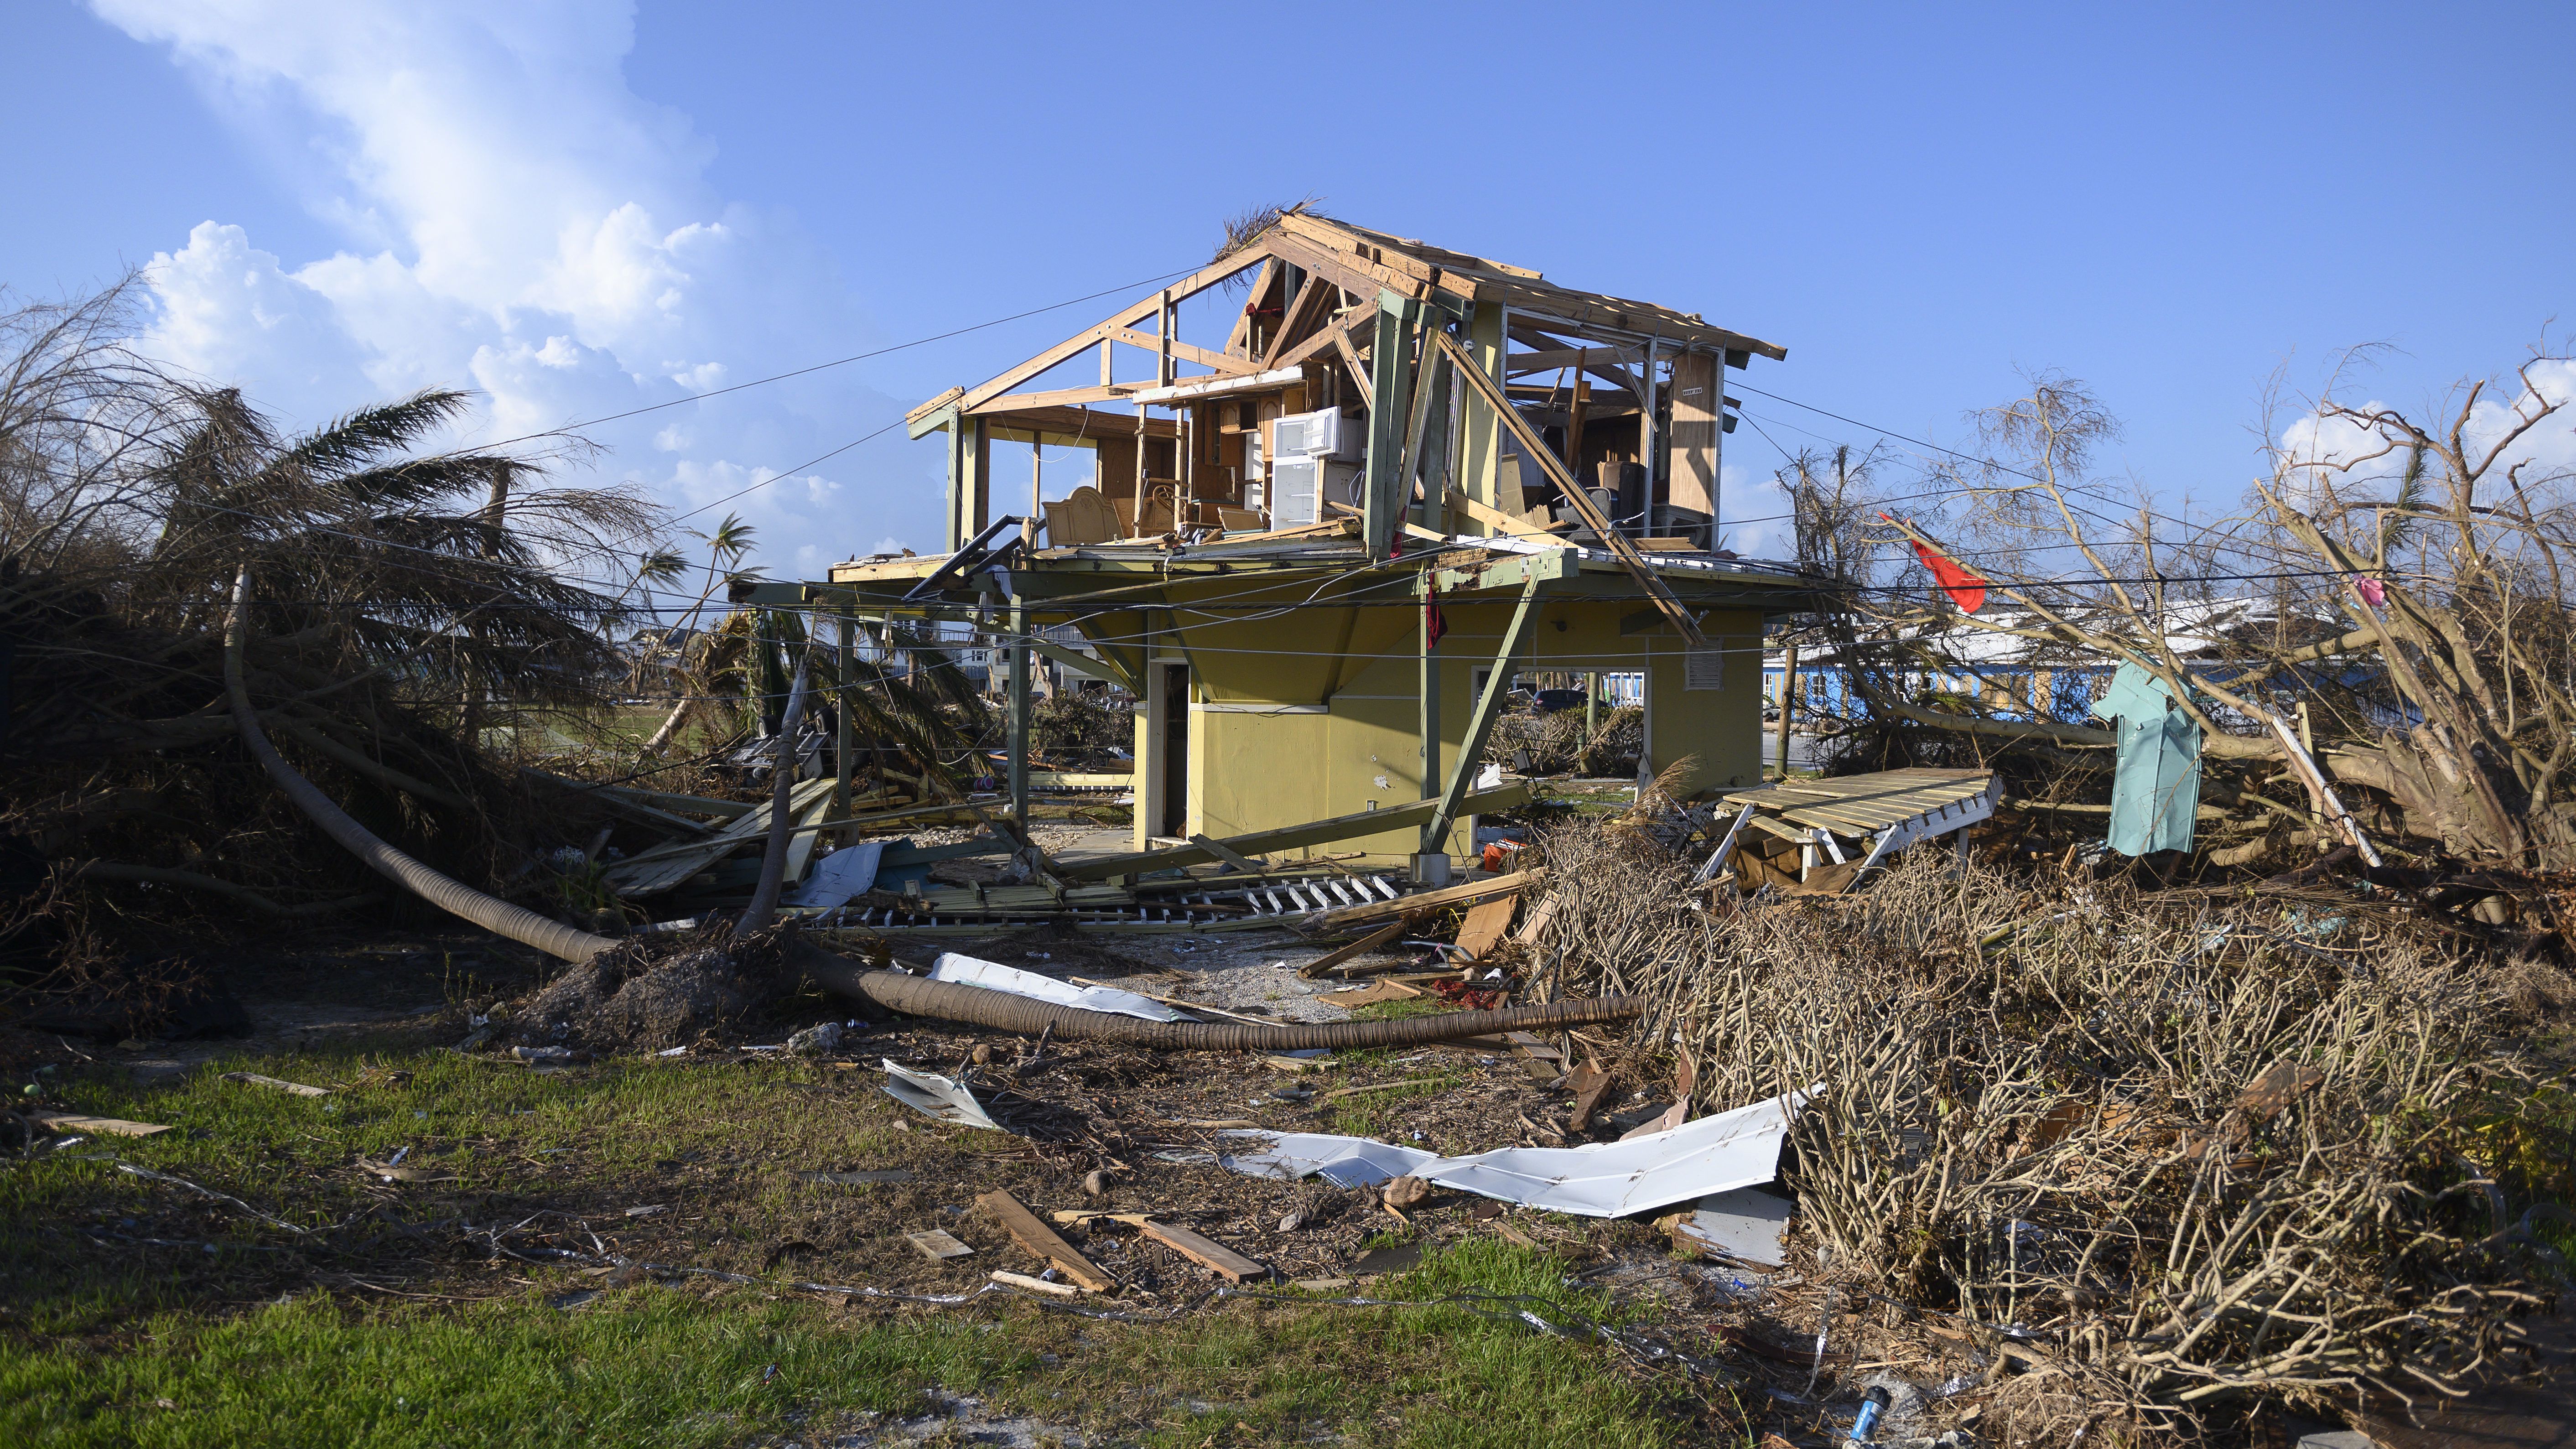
(1318, 544)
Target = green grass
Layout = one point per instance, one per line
(254, 1334)
(644, 1366)
(654, 1365)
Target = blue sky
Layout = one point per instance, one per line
(586, 207)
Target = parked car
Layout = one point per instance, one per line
(1552, 700)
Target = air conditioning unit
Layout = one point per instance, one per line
(1300, 487)
(1325, 434)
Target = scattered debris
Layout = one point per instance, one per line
(1215, 1257)
(109, 1126)
(868, 1178)
(295, 1088)
(938, 1243)
(1034, 1285)
(933, 1095)
(821, 1040)
(1746, 1224)
(993, 976)
(1733, 1149)
(1042, 1240)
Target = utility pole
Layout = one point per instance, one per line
(844, 624)
(1788, 700)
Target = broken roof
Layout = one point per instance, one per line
(1354, 259)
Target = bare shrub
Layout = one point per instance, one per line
(2188, 1154)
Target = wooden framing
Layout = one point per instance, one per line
(1581, 502)
(1328, 279)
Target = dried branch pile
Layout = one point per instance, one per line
(2191, 1150)
(1556, 742)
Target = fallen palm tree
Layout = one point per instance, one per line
(404, 596)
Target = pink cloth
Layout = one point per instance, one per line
(2372, 591)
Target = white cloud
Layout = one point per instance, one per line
(522, 223)
(1759, 500)
(2358, 459)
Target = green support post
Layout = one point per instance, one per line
(1480, 725)
(1419, 422)
(1430, 685)
(1383, 499)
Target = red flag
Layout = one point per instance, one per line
(1965, 588)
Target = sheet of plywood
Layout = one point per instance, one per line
(1485, 925)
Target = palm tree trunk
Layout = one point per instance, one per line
(453, 896)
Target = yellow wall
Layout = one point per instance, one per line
(1262, 770)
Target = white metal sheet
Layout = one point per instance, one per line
(1713, 1155)
(935, 1096)
(994, 976)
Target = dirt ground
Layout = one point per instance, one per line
(801, 1174)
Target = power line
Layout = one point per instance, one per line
(845, 361)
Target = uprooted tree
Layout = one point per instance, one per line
(399, 590)
(2403, 581)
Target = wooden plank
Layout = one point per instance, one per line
(1072, 427)
(1550, 358)
(297, 1089)
(809, 828)
(1058, 397)
(1215, 1257)
(1314, 301)
(1456, 895)
(1042, 1240)
(1503, 522)
(937, 1244)
(1292, 837)
(1485, 924)
(1213, 361)
(1536, 926)
(1347, 270)
(1134, 312)
(1360, 947)
(1359, 370)
(1352, 998)
(1694, 440)
(1322, 339)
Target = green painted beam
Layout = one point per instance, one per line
(1292, 837)
(1480, 725)
(1384, 499)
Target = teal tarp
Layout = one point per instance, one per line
(2156, 786)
